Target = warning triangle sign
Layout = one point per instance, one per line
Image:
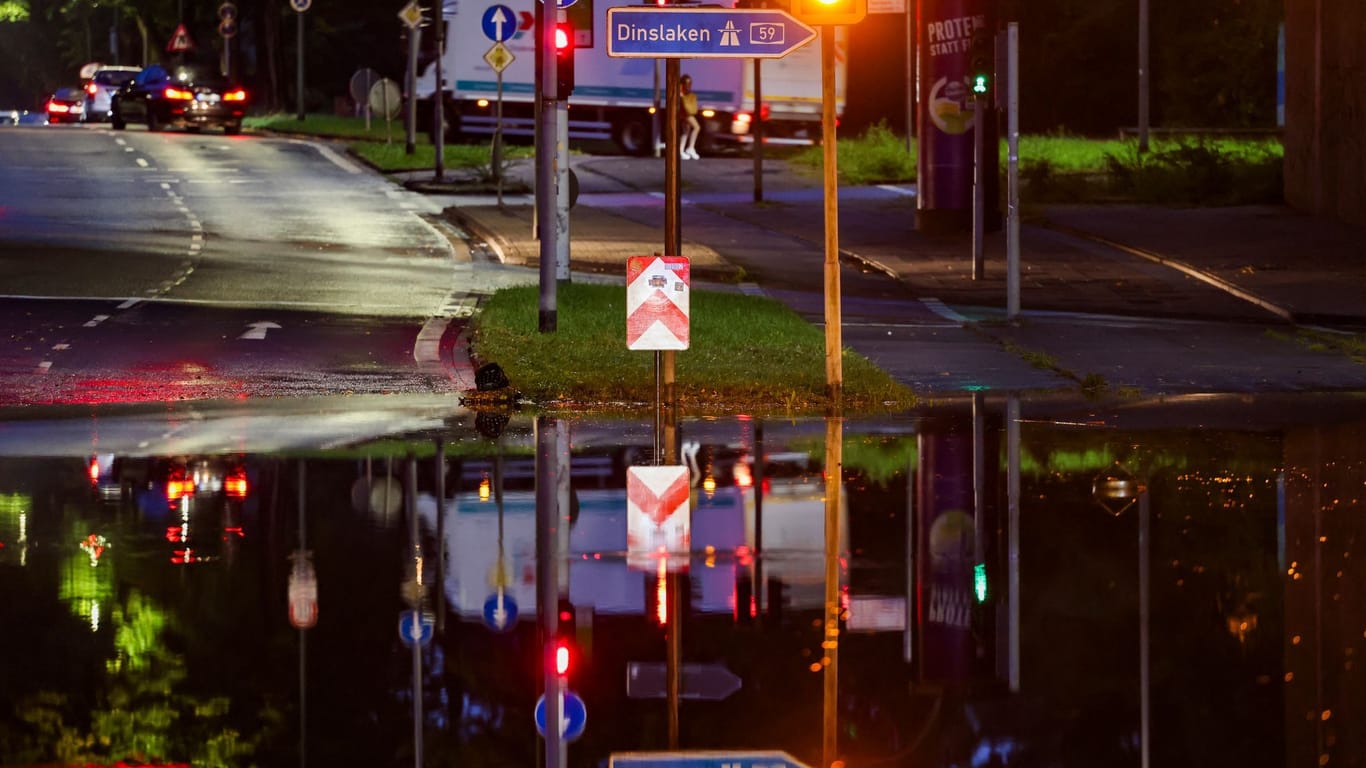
(180, 41)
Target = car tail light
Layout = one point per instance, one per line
(53, 106)
(172, 92)
(235, 95)
(91, 88)
(179, 489)
(235, 485)
(94, 471)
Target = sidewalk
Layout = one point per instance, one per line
(1110, 290)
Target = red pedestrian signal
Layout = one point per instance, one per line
(564, 61)
(561, 658)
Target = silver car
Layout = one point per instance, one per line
(100, 89)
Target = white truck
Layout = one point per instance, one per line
(615, 98)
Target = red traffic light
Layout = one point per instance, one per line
(563, 37)
(561, 652)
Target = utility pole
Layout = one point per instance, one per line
(439, 100)
(547, 160)
(1142, 75)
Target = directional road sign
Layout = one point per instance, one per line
(499, 22)
(704, 759)
(695, 33)
(703, 682)
(500, 612)
(415, 627)
(575, 716)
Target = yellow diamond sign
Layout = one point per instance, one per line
(411, 15)
(499, 57)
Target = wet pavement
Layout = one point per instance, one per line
(1143, 299)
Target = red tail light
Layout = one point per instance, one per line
(179, 489)
(235, 485)
(53, 106)
(91, 88)
(94, 471)
(177, 94)
(237, 95)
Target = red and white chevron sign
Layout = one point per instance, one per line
(658, 525)
(657, 302)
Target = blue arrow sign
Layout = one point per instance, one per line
(575, 716)
(500, 23)
(415, 627)
(500, 611)
(699, 33)
(704, 759)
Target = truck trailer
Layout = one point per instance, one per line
(621, 99)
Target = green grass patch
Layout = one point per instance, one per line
(879, 156)
(331, 126)
(748, 354)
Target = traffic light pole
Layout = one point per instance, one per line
(834, 364)
(979, 190)
(547, 158)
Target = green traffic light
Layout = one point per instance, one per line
(979, 84)
(979, 582)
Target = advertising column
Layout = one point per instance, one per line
(945, 118)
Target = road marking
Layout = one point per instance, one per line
(120, 142)
(427, 349)
(166, 186)
(940, 308)
(752, 289)
(129, 149)
(903, 191)
(44, 366)
(142, 162)
(96, 320)
(338, 160)
(60, 347)
(258, 330)
(130, 303)
(848, 324)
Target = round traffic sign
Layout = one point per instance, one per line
(227, 28)
(300, 5)
(361, 83)
(499, 23)
(227, 11)
(500, 612)
(385, 98)
(415, 627)
(575, 716)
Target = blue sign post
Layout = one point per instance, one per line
(499, 22)
(704, 759)
(415, 628)
(500, 612)
(700, 33)
(575, 716)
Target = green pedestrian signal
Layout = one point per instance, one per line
(982, 62)
(979, 84)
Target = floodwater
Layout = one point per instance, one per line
(983, 582)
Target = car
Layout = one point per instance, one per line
(191, 96)
(100, 89)
(65, 105)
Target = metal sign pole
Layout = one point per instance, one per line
(439, 103)
(498, 141)
(414, 44)
(300, 46)
(834, 363)
(1013, 171)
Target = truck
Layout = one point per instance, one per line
(620, 99)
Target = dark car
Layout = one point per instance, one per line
(189, 96)
(66, 105)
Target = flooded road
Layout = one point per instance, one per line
(985, 581)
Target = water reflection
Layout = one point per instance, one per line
(963, 601)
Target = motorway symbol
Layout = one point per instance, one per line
(499, 57)
(300, 6)
(500, 612)
(677, 33)
(415, 627)
(704, 759)
(575, 716)
(499, 22)
(657, 302)
(411, 14)
(702, 682)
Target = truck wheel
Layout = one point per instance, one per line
(633, 135)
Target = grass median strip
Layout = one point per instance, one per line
(748, 354)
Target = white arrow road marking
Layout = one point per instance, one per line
(258, 330)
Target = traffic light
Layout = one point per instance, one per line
(983, 63)
(564, 60)
(827, 12)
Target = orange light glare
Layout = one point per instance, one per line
(177, 94)
(237, 95)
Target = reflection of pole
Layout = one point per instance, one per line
(410, 497)
(979, 476)
(548, 522)
(440, 536)
(758, 475)
(674, 680)
(303, 637)
(834, 362)
(908, 637)
(1013, 537)
(1145, 702)
(834, 486)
